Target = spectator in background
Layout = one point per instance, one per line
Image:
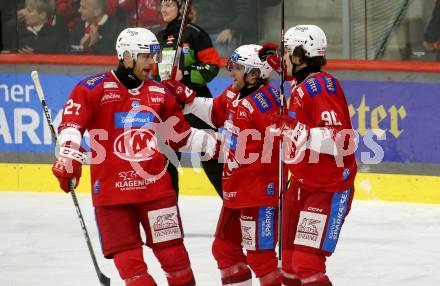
(68, 9)
(142, 13)
(63, 8)
(232, 23)
(432, 33)
(97, 32)
(41, 31)
(229, 23)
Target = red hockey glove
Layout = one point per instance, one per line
(182, 93)
(270, 53)
(282, 122)
(293, 133)
(68, 164)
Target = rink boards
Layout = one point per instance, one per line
(369, 186)
(403, 110)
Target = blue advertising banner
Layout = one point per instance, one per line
(403, 114)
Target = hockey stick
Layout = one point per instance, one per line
(281, 159)
(179, 40)
(104, 280)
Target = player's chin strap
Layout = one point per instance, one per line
(126, 76)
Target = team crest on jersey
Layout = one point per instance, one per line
(330, 84)
(313, 87)
(93, 81)
(135, 145)
(262, 101)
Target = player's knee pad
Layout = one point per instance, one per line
(132, 268)
(262, 262)
(308, 264)
(236, 275)
(175, 262)
(226, 253)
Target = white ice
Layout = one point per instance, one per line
(382, 244)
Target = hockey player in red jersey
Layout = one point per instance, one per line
(321, 158)
(123, 112)
(248, 218)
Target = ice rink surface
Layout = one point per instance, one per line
(382, 244)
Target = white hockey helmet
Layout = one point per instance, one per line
(310, 37)
(137, 41)
(247, 56)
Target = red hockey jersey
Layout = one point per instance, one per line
(128, 162)
(250, 172)
(319, 101)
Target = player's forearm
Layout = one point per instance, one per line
(322, 140)
(69, 134)
(202, 108)
(318, 139)
(200, 141)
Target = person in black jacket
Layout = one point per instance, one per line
(432, 32)
(199, 65)
(41, 31)
(97, 32)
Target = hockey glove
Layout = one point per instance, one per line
(270, 53)
(291, 130)
(182, 93)
(68, 164)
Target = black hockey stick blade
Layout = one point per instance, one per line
(104, 280)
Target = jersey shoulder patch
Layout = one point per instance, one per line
(330, 84)
(275, 95)
(261, 99)
(93, 81)
(313, 86)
